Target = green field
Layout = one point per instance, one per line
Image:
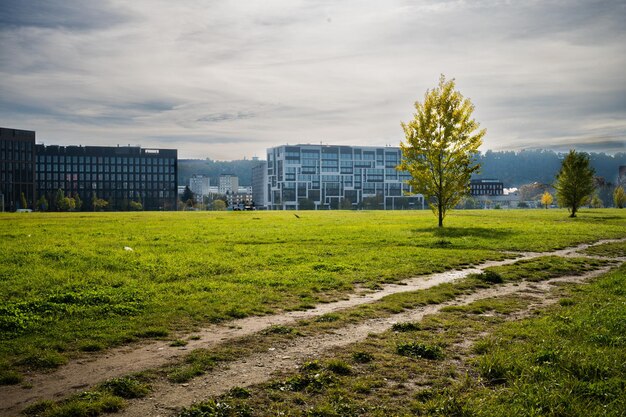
(68, 284)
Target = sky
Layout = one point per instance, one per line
(226, 79)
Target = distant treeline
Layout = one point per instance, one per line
(512, 168)
(518, 168)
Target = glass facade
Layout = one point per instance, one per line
(331, 177)
(17, 169)
(117, 174)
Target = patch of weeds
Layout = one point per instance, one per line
(279, 329)
(495, 368)
(43, 360)
(9, 377)
(491, 277)
(195, 337)
(564, 302)
(308, 381)
(91, 346)
(238, 392)
(236, 313)
(362, 357)
(420, 350)
(405, 327)
(338, 367)
(185, 373)
(126, 387)
(90, 403)
(217, 408)
(153, 332)
(178, 343)
(310, 366)
(328, 318)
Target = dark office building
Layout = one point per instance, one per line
(119, 175)
(17, 168)
(486, 187)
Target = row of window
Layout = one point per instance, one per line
(16, 145)
(108, 160)
(41, 176)
(16, 156)
(41, 167)
(99, 185)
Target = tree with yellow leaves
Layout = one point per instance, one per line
(441, 142)
(546, 199)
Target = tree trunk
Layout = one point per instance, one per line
(440, 213)
(574, 208)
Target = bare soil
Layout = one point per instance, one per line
(79, 375)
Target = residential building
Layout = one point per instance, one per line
(332, 177)
(489, 187)
(199, 185)
(17, 168)
(228, 183)
(259, 187)
(117, 174)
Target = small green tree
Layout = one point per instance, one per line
(23, 202)
(99, 204)
(58, 200)
(619, 197)
(546, 199)
(67, 204)
(574, 182)
(78, 202)
(218, 205)
(596, 202)
(441, 142)
(135, 206)
(187, 196)
(42, 203)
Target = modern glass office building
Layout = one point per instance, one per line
(117, 174)
(17, 168)
(333, 177)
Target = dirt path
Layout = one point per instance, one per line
(80, 374)
(167, 398)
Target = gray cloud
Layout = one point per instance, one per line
(227, 79)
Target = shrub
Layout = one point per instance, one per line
(362, 357)
(405, 327)
(491, 277)
(419, 350)
(126, 387)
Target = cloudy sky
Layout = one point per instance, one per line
(227, 79)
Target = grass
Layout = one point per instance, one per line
(567, 360)
(612, 249)
(69, 288)
(411, 345)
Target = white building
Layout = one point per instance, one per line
(332, 177)
(228, 184)
(199, 185)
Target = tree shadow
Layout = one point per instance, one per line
(456, 232)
